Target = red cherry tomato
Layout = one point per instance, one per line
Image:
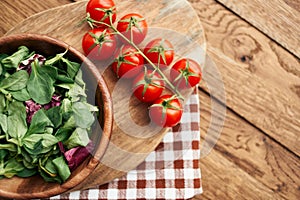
(99, 44)
(128, 62)
(160, 51)
(166, 111)
(185, 73)
(100, 10)
(134, 27)
(148, 86)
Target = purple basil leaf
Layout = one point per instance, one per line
(26, 64)
(61, 147)
(77, 155)
(56, 100)
(31, 109)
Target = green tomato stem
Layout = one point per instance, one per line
(111, 25)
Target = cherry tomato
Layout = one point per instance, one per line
(128, 62)
(99, 44)
(100, 10)
(134, 27)
(160, 51)
(185, 73)
(166, 111)
(148, 86)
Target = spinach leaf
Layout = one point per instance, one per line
(66, 109)
(79, 80)
(55, 59)
(25, 151)
(83, 117)
(79, 137)
(3, 154)
(11, 168)
(55, 116)
(3, 122)
(66, 86)
(9, 147)
(39, 143)
(91, 107)
(64, 79)
(50, 167)
(14, 60)
(62, 168)
(72, 67)
(49, 178)
(40, 83)
(15, 82)
(16, 120)
(64, 132)
(26, 173)
(21, 95)
(76, 93)
(39, 123)
(2, 103)
(28, 160)
(2, 56)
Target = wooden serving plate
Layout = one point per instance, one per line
(133, 138)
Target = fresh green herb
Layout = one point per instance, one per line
(41, 105)
(41, 83)
(12, 62)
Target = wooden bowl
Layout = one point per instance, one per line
(36, 187)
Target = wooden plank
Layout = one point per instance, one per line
(25, 9)
(244, 156)
(262, 80)
(133, 137)
(224, 180)
(279, 19)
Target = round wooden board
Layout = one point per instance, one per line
(133, 138)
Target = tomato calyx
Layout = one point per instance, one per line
(133, 22)
(108, 12)
(89, 20)
(148, 80)
(185, 74)
(99, 40)
(93, 23)
(160, 49)
(122, 59)
(166, 104)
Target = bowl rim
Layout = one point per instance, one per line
(72, 182)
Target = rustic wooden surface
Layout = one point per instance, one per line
(279, 19)
(257, 154)
(130, 144)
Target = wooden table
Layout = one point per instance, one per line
(256, 48)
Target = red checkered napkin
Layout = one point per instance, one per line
(170, 172)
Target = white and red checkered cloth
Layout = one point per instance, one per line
(170, 172)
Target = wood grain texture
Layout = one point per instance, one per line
(13, 12)
(232, 171)
(261, 78)
(130, 142)
(247, 161)
(279, 19)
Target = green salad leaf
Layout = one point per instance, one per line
(15, 82)
(83, 117)
(62, 168)
(14, 60)
(16, 120)
(41, 83)
(43, 113)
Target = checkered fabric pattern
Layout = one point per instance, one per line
(170, 172)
